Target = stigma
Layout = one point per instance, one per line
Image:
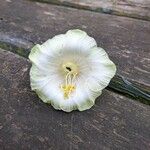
(71, 70)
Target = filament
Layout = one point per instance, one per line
(69, 86)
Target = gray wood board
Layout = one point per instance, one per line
(115, 122)
(139, 9)
(126, 40)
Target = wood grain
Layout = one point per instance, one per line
(139, 9)
(115, 122)
(126, 40)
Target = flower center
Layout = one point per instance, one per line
(71, 71)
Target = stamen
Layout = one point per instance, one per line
(69, 87)
(74, 76)
(72, 71)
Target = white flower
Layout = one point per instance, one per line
(69, 71)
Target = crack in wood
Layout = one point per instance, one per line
(118, 84)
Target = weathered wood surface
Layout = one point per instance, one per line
(131, 8)
(126, 40)
(115, 122)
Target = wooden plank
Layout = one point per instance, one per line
(139, 9)
(115, 122)
(126, 40)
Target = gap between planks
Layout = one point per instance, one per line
(118, 84)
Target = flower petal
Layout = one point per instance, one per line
(50, 93)
(102, 70)
(79, 41)
(55, 45)
(93, 94)
(81, 98)
(39, 79)
(38, 58)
